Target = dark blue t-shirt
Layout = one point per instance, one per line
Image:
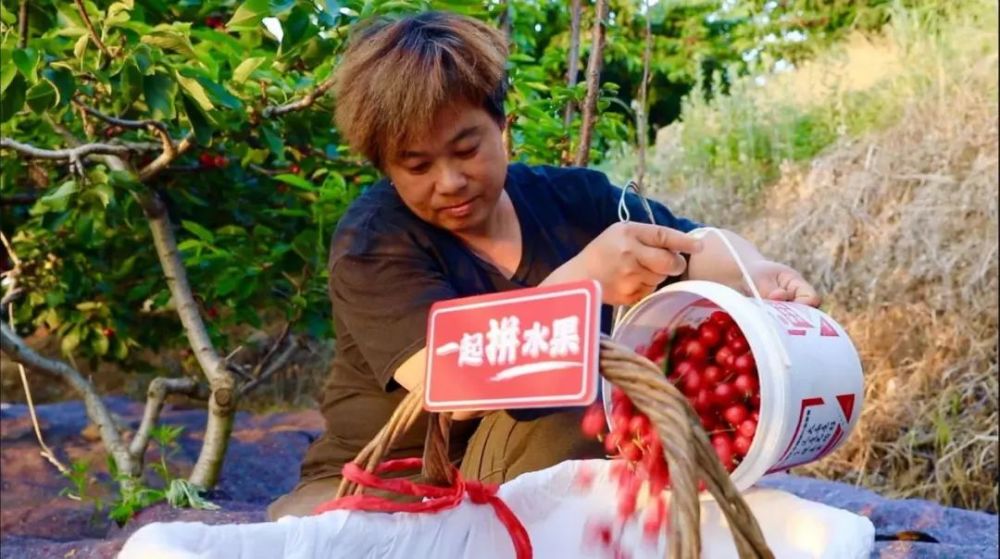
(387, 267)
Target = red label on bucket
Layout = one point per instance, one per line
(817, 432)
(525, 348)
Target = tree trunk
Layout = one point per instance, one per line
(642, 114)
(223, 398)
(573, 58)
(593, 83)
(507, 26)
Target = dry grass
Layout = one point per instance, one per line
(899, 229)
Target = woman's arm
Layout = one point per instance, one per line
(772, 279)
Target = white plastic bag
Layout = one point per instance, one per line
(556, 515)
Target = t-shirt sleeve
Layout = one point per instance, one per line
(382, 296)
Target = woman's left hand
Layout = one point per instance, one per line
(782, 283)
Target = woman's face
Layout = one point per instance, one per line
(454, 174)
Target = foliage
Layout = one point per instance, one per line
(258, 197)
(770, 115)
(135, 495)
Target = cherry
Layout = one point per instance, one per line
(612, 441)
(723, 446)
(631, 451)
(659, 342)
(593, 421)
(738, 345)
(709, 335)
(735, 414)
(724, 357)
(744, 364)
(713, 374)
(294, 169)
(683, 369)
(702, 400)
(741, 444)
(721, 318)
(748, 428)
(685, 332)
(691, 383)
(220, 160)
(108, 333)
(206, 159)
(639, 424)
(695, 351)
(745, 384)
(724, 394)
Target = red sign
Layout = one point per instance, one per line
(528, 348)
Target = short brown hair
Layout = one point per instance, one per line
(397, 74)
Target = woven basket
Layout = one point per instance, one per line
(686, 448)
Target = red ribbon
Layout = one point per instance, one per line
(434, 498)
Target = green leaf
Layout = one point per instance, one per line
(63, 80)
(7, 69)
(196, 91)
(27, 62)
(131, 83)
(220, 94)
(229, 282)
(70, 341)
(248, 15)
(101, 343)
(296, 181)
(274, 141)
(119, 349)
(105, 193)
(42, 96)
(159, 91)
(171, 37)
(243, 71)
(6, 16)
(80, 47)
(297, 28)
(118, 13)
(12, 99)
(198, 231)
(190, 245)
(200, 123)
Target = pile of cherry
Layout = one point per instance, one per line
(713, 366)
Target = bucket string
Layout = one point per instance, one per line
(700, 233)
(625, 216)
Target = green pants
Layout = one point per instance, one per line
(502, 448)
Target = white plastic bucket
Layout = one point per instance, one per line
(811, 383)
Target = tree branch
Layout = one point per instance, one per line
(306, 101)
(170, 151)
(158, 391)
(163, 160)
(276, 365)
(22, 24)
(573, 58)
(19, 352)
(593, 83)
(157, 127)
(71, 154)
(90, 27)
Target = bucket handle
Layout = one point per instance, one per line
(700, 233)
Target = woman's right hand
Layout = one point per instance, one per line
(629, 260)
